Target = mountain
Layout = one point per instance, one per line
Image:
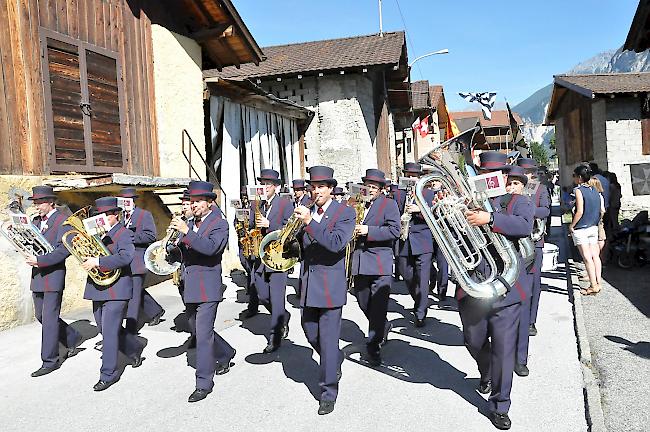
(533, 109)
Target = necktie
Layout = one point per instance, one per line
(43, 223)
(197, 222)
(320, 210)
(368, 204)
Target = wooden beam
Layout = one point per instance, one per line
(214, 32)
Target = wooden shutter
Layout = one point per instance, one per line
(65, 91)
(82, 98)
(645, 124)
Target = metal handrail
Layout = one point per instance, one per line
(191, 169)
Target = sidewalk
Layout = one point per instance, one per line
(428, 380)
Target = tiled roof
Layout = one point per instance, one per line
(420, 95)
(592, 84)
(329, 54)
(435, 93)
(499, 117)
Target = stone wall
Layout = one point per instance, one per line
(342, 133)
(623, 129)
(178, 84)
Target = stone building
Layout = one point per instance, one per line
(91, 100)
(353, 85)
(605, 118)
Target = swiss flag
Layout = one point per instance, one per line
(416, 124)
(424, 127)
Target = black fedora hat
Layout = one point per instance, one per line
(128, 192)
(338, 191)
(519, 173)
(106, 205)
(412, 167)
(42, 192)
(527, 163)
(494, 161)
(186, 195)
(320, 173)
(198, 188)
(374, 175)
(298, 184)
(270, 175)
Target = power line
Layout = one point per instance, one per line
(408, 39)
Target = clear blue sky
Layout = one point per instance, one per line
(512, 47)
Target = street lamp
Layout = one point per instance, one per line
(442, 51)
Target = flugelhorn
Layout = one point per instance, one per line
(155, 256)
(83, 246)
(465, 246)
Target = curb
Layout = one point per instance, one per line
(591, 383)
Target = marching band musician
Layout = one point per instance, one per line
(271, 285)
(415, 253)
(300, 194)
(328, 227)
(542, 203)
(372, 261)
(338, 193)
(110, 303)
(186, 212)
(202, 243)
(141, 223)
(490, 328)
(48, 282)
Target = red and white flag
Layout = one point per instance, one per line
(416, 124)
(424, 127)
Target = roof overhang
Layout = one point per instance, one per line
(638, 37)
(114, 182)
(246, 92)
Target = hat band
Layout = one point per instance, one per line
(200, 191)
(320, 178)
(491, 164)
(105, 209)
(40, 196)
(527, 166)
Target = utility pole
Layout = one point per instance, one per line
(381, 26)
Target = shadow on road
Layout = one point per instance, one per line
(642, 349)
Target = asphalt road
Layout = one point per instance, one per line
(427, 381)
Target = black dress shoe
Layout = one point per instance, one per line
(136, 361)
(387, 328)
(485, 387)
(285, 331)
(103, 385)
(250, 313)
(419, 322)
(373, 359)
(225, 368)
(521, 370)
(500, 421)
(198, 395)
(326, 407)
(44, 371)
(532, 330)
(271, 347)
(156, 319)
(71, 352)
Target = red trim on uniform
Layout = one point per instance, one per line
(336, 217)
(328, 298)
(111, 292)
(54, 224)
(521, 291)
(137, 224)
(538, 196)
(381, 209)
(47, 284)
(511, 203)
(283, 203)
(204, 296)
(381, 267)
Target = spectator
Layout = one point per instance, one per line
(584, 226)
(602, 236)
(596, 172)
(611, 221)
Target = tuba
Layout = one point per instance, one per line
(83, 246)
(359, 208)
(155, 256)
(463, 245)
(277, 249)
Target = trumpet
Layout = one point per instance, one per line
(155, 256)
(83, 246)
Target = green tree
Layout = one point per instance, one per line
(551, 143)
(539, 153)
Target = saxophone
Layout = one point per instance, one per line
(155, 256)
(405, 219)
(276, 250)
(359, 208)
(463, 245)
(254, 237)
(83, 246)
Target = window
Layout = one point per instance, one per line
(82, 105)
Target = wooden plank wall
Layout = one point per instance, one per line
(116, 25)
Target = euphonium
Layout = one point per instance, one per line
(254, 237)
(27, 240)
(155, 256)
(278, 250)
(463, 245)
(359, 208)
(83, 246)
